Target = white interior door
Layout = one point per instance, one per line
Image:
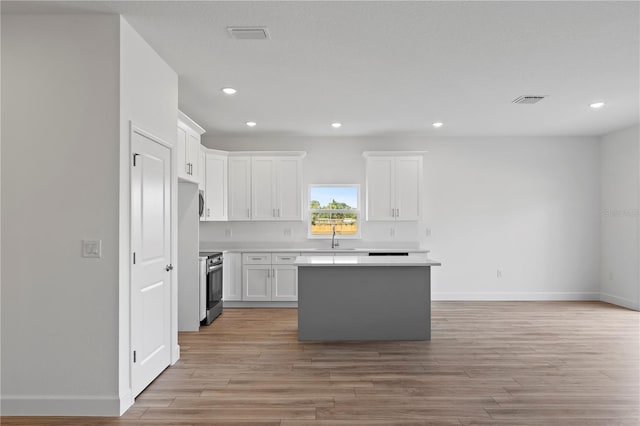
(151, 246)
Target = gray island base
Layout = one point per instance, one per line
(371, 299)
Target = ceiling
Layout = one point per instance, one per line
(384, 67)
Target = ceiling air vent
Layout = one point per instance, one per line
(529, 99)
(248, 33)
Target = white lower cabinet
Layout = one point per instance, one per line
(256, 283)
(232, 276)
(269, 277)
(284, 283)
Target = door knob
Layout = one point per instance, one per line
(168, 268)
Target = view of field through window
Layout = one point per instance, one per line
(334, 206)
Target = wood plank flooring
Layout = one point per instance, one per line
(504, 363)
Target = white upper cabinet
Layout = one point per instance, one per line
(215, 205)
(408, 188)
(202, 167)
(189, 135)
(263, 188)
(288, 200)
(380, 193)
(239, 188)
(253, 187)
(276, 188)
(394, 187)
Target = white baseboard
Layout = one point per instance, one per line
(126, 401)
(68, 405)
(175, 354)
(241, 304)
(514, 296)
(620, 301)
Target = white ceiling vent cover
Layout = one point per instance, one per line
(528, 99)
(248, 33)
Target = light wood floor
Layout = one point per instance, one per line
(507, 363)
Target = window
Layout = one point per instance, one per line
(334, 206)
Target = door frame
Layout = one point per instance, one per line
(175, 348)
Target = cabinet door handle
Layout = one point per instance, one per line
(248, 212)
(278, 212)
(256, 258)
(186, 166)
(397, 212)
(393, 212)
(191, 169)
(268, 273)
(208, 212)
(285, 258)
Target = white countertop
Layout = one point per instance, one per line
(414, 260)
(312, 246)
(322, 250)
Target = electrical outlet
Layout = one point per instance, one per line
(499, 273)
(428, 232)
(392, 232)
(92, 248)
(227, 232)
(287, 232)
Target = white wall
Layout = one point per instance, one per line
(59, 186)
(149, 100)
(188, 263)
(527, 206)
(71, 87)
(620, 250)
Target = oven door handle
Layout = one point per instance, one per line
(214, 268)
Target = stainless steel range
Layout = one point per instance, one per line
(210, 287)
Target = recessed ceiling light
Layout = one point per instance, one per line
(438, 124)
(229, 91)
(597, 105)
(251, 123)
(336, 125)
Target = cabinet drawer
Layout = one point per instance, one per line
(284, 258)
(256, 258)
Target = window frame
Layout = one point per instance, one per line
(310, 211)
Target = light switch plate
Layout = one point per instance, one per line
(92, 248)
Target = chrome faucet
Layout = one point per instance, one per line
(334, 242)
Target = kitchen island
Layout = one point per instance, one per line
(364, 298)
